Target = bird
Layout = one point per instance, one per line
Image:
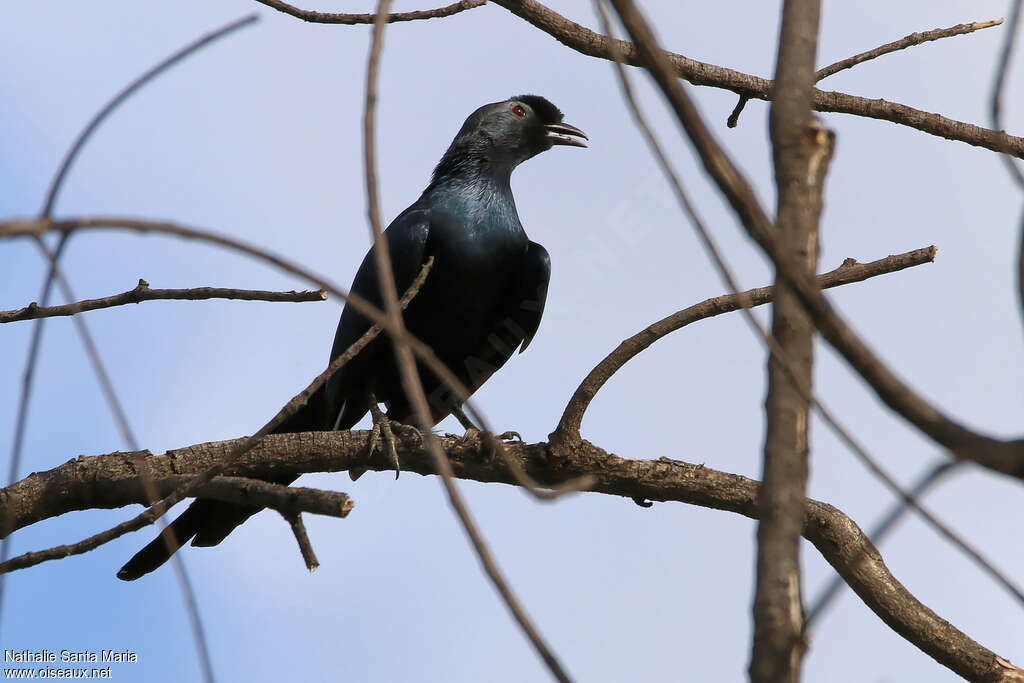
(483, 297)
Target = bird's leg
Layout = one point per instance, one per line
(472, 430)
(382, 432)
(460, 415)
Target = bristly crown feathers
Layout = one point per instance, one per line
(543, 108)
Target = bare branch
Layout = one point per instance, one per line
(111, 480)
(587, 42)
(848, 273)
(902, 44)
(142, 292)
(996, 115)
(802, 150)
(881, 530)
(337, 18)
(302, 538)
(288, 500)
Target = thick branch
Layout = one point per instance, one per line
(112, 480)
(801, 150)
(849, 272)
(336, 18)
(142, 292)
(587, 42)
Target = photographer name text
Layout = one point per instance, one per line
(51, 656)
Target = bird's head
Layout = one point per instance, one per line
(505, 134)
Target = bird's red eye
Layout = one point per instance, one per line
(519, 111)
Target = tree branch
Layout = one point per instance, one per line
(902, 44)
(335, 18)
(801, 150)
(142, 292)
(848, 273)
(302, 538)
(288, 500)
(111, 480)
(587, 42)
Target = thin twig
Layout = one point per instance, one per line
(903, 43)
(907, 41)
(302, 538)
(142, 292)
(128, 91)
(734, 117)
(337, 18)
(409, 376)
(287, 500)
(849, 272)
(996, 117)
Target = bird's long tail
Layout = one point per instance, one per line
(208, 522)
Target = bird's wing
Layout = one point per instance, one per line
(406, 239)
(347, 400)
(515, 323)
(533, 291)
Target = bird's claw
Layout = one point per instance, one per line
(382, 437)
(471, 435)
(510, 436)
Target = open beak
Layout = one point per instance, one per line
(562, 134)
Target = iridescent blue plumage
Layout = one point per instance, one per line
(482, 300)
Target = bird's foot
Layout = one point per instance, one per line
(510, 437)
(382, 437)
(470, 437)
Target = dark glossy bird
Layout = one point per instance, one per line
(482, 299)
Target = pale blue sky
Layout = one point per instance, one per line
(259, 137)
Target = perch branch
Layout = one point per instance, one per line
(106, 481)
(849, 272)
(350, 19)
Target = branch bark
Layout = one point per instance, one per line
(111, 480)
(142, 292)
(801, 152)
(903, 43)
(350, 19)
(849, 272)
